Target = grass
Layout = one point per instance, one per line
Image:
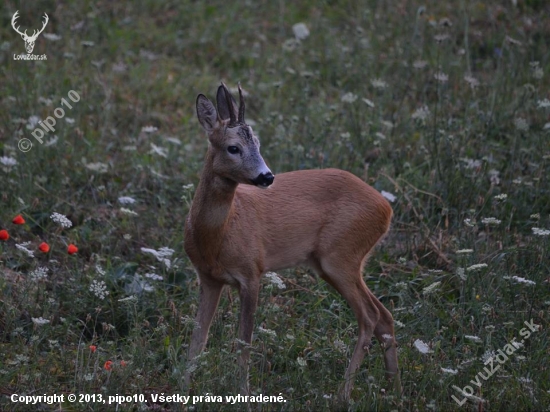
(452, 119)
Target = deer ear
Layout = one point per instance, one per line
(224, 106)
(207, 114)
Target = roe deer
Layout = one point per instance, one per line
(326, 219)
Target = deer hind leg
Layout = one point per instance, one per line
(350, 284)
(248, 293)
(384, 332)
(210, 293)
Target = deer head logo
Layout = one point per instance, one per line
(29, 40)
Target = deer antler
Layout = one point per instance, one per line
(15, 16)
(35, 32)
(46, 20)
(241, 105)
(232, 120)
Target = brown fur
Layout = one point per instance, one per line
(326, 219)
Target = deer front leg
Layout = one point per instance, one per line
(210, 293)
(248, 293)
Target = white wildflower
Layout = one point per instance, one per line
(23, 248)
(300, 31)
(494, 176)
(441, 77)
(301, 362)
(98, 167)
(188, 187)
(422, 347)
(161, 151)
(398, 324)
(521, 124)
(537, 73)
(174, 140)
(401, 285)
(449, 371)
(464, 251)
(473, 338)
(69, 120)
(368, 102)
(472, 81)
(149, 129)
(99, 288)
(8, 162)
(518, 279)
(540, 232)
(471, 163)
(32, 122)
(275, 279)
(290, 45)
(502, 196)
(40, 321)
(40, 273)
(349, 97)
(421, 113)
(340, 346)
(162, 254)
(469, 222)
(268, 332)
(440, 38)
(128, 211)
(126, 200)
(461, 274)
(491, 221)
(477, 266)
(489, 354)
(432, 288)
(130, 298)
(378, 83)
(153, 276)
(389, 196)
(420, 64)
(512, 41)
(52, 141)
(61, 220)
(543, 104)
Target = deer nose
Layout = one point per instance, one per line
(264, 179)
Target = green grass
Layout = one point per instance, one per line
(143, 63)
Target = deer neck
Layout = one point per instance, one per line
(211, 210)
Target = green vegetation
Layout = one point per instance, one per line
(444, 105)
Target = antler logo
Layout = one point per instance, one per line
(29, 40)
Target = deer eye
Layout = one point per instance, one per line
(233, 150)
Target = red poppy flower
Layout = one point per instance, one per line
(122, 363)
(4, 235)
(44, 247)
(108, 365)
(72, 249)
(93, 348)
(18, 220)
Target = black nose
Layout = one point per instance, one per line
(264, 179)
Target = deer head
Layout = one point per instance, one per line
(235, 150)
(29, 40)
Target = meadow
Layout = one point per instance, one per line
(443, 106)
